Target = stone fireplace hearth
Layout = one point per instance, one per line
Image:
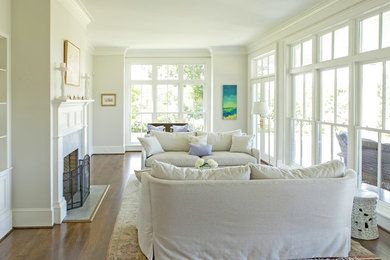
(70, 134)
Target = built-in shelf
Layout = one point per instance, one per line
(3, 103)
(3, 136)
(4, 70)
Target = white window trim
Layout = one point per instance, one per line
(207, 91)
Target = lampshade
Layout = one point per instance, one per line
(260, 108)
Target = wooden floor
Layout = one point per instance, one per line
(90, 240)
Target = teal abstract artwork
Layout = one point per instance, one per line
(229, 103)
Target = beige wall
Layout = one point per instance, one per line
(39, 29)
(108, 122)
(229, 69)
(31, 137)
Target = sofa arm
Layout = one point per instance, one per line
(256, 154)
(143, 158)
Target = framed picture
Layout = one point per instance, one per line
(108, 100)
(229, 103)
(72, 60)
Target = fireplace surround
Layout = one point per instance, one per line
(71, 133)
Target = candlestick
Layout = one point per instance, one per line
(62, 68)
(86, 77)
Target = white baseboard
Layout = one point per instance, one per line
(32, 217)
(134, 148)
(5, 223)
(59, 211)
(108, 149)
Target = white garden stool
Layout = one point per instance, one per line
(364, 225)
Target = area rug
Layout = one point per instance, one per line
(87, 212)
(124, 238)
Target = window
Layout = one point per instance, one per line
(341, 109)
(334, 112)
(302, 119)
(334, 44)
(166, 93)
(302, 54)
(374, 130)
(375, 32)
(263, 89)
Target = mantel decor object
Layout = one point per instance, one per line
(72, 60)
(87, 89)
(62, 68)
(108, 100)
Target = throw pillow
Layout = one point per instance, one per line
(155, 128)
(169, 172)
(200, 150)
(173, 141)
(138, 173)
(332, 169)
(221, 141)
(242, 144)
(180, 128)
(151, 145)
(202, 140)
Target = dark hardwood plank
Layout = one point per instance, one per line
(90, 240)
(78, 240)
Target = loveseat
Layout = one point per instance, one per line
(244, 219)
(176, 149)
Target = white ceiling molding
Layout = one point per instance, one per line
(167, 53)
(228, 50)
(109, 51)
(78, 10)
(302, 21)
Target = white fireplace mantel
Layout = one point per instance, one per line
(69, 116)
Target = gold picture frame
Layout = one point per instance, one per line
(72, 60)
(108, 100)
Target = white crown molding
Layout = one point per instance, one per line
(78, 10)
(164, 53)
(322, 11)
(228, 50)
(109, 51)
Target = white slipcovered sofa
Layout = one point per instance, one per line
(176, 148)
(245, 219)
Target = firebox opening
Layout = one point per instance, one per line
(76, 185)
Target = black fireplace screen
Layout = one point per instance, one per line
(76, 181)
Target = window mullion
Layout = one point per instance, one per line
(300, 141)
(384, 96)
(380, 31)
(379, 163)
(180, 97)
(154, 92)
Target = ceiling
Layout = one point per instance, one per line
(184, 24)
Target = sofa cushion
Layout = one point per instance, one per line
(155, 128)
(151, 145)
(180, 128)
(198, 139)
(330, 169)
(242, 143)
(182, 159)
(170, 172)
(200, 150)
(173, 141)
(221, 141)
(229, 159)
